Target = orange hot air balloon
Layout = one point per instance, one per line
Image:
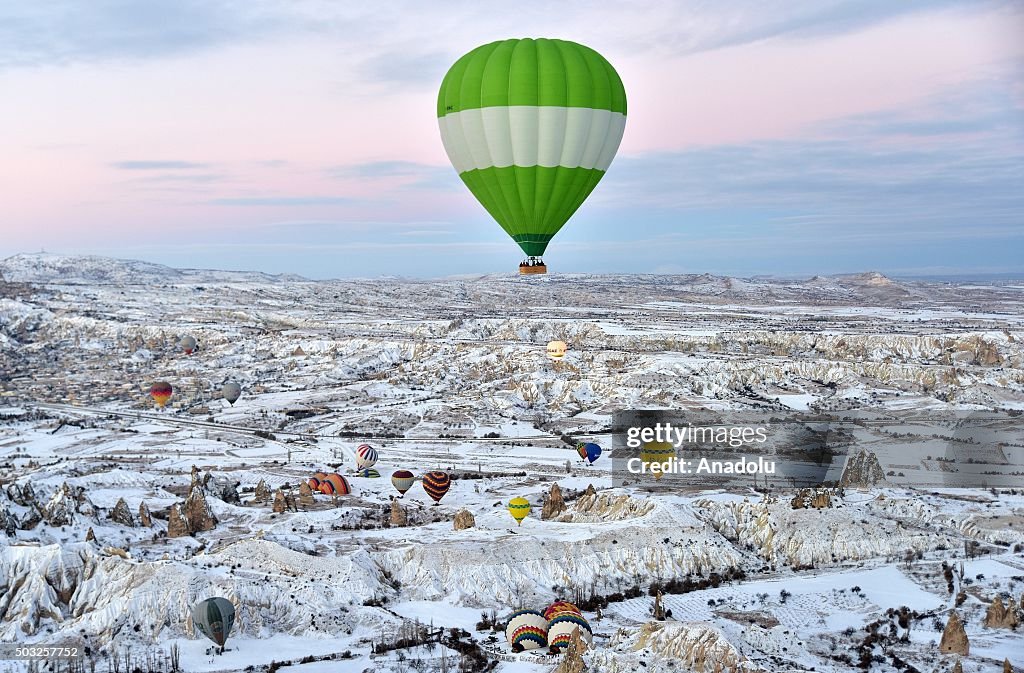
(161, 392)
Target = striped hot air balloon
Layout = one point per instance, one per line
(531, 126)
(366, 456)
(214, 617)
(436, 484)
(368, 473)
(588, 451)
(558, 607)
(526, 630)
(656, 457)
(402, 480)
(161, 392)
(335, 484)
(519, 508)
(314, 483)
(561, 626)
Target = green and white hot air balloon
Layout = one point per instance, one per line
(531, 126)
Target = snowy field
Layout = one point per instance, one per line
(452, 375)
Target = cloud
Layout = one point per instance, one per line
(408, 174)
(157, 165)
(282, 201)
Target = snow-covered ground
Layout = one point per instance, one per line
(452, 375)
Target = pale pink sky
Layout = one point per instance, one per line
(292, 109)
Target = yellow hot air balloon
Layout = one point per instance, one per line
(557, 349)
(519, 508)
(658, 455)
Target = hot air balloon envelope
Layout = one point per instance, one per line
(588, 451)
(656, 457)
(436, 484)
(335, 484)
(231, 391)
(214, 617)
(561, 627)
(161, 392)
(188, 344)
(519, 508)
(531, 126)
(527, 630)
(402, 480)
(556, 350)
(366, 456)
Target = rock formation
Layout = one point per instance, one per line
(572, 661)
(145, 518)
(197, 511)
(553, 504)
(121, 514)
(305, 495)
(659, 609)
(262, 494)
(1000, 616)
(279, 502)
(954, 638)
(60, 510)
(398, 516)
(464, 519)
(176, 526)
(590, 490)
(1007, 668)
(90, 535)
(862, 471)
(958, 667)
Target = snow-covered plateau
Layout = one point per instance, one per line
(117, 516)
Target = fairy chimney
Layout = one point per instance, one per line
(553, 504)
(279, 502)
(398, 515)
(305, 495)
(145, 518)
(954, 638)
(121, 514)
(464, 519)
(999, 616)
(176, 526)
(262, 494)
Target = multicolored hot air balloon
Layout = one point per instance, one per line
(558, 607)
(531, 126)
(368, 473)
(161, 392)
(188, 344)
(556, 350)
(231, 391)
(335, 484)
(366, 456)
(561, 627)
(658, 454)
(519, 508)
(214, 617)
(314, 483)
(402, 480)
(436, 484)
(588, 451)
(526, 630)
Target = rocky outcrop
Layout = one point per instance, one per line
(809, 498)
(176, 526)
(695, 645)
(1007, 668)
(121, 514)
(262, 494)
(60, 510)
(398, 515)
(305, 495)
(590, 490)
(145, 518)
(607, 507)
(862, 471)
(572, 661)
(464, 519)
(999, 616)
(90, 535)
(197, 512)
(954, 637)
(280, 504)
(553, 504)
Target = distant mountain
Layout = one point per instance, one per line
(47, 268)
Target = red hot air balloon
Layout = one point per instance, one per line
(161, 392)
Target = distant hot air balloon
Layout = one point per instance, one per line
(588, 451)
(214, 617)
(402, 480)
(531, 126)
(188, 344)
(556, 350)
(436, 484)
(366, 456)
(231, 392)
(161, 392)
(368, 473)
(561, 627)
(335, 484)
(519, 508)
(526, 630)
(659, 455)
